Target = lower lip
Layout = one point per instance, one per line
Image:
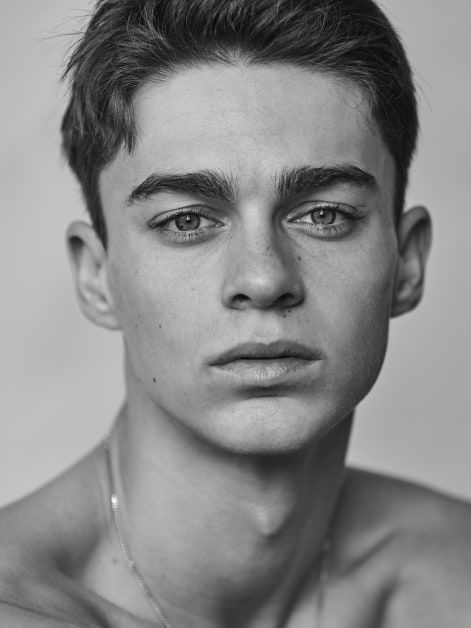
(267, 372)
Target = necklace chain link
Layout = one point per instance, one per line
(132, 565)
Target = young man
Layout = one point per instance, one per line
(244, 163)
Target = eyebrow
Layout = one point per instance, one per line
(297, 181)
(289, 183)
(207, 183)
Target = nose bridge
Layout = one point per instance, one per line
(262, 271)
(263, 252)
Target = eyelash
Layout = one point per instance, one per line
(324, 230)
(183, 236)
(348, 214)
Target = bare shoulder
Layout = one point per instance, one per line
(408, 504)
(32, 593)
(426, 538)
(34, 590)
(41, 538)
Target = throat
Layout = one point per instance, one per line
(244, 532)
(276, 502)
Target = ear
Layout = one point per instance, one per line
(414, 238)
(88, 259)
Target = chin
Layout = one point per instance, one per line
(268, 426)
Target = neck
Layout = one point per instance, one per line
(219, 535)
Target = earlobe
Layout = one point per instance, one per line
(88, 259)
(414, 240)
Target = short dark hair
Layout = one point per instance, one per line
(129, 42)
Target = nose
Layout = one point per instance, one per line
(262, 273)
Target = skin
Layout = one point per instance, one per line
(260, 276)
(228, 488)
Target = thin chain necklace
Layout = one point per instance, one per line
(154, 603)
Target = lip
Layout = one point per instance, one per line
(276, 363)
(257, 351)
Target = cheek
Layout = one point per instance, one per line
(356, 318)
(158, 311)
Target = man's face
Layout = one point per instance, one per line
(284, 233)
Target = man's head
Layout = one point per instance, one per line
(130, 43)
(254, 255)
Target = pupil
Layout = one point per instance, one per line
(188, 222)
(323, 216)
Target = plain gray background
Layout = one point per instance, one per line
(61, 377)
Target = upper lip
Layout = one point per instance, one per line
(264, 351)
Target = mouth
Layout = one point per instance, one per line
(260, 364)
(278, 350)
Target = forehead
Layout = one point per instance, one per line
(249, 122)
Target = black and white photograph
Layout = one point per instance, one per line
(235, 322)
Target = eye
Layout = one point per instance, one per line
(323, 216)
(326, 219)
(184, 224)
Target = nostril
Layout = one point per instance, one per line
(240, 299)
(284, 301)
(287, 300)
